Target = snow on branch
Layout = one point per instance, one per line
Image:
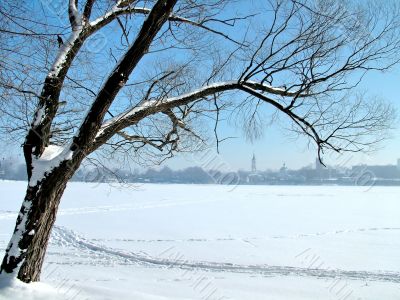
(119, 9)
(328, 130)
(74, 18)
(51, 158)
(148, 107)
(65, 51)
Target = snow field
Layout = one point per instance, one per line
(208, 242)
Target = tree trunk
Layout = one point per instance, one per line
(26, 250)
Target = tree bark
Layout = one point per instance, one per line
(26, 250)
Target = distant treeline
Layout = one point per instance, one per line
(357, 175)
(11, 170)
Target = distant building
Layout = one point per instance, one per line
(283, 172)
(255, 177)
(253, 165)
(2, 172)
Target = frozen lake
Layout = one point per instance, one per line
(218, 242)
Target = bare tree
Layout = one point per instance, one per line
(167, 67)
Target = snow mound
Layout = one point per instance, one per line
(51, 158)
(15, 289)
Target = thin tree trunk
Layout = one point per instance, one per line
(26, 250)
(31, 267)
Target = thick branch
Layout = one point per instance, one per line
(73, 14)
(147, 108)
(87, 11)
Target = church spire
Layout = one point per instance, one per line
(253, 164)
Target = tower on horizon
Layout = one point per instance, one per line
(253, 164)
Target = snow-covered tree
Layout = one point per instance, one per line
(141, 79)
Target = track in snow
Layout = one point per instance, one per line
(66, 238)
(6, 214)
(224, 239)
(130, 207)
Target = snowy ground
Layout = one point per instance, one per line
(211, 242)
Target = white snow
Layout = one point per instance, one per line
(51, 158)
(115, 10)
(12, 289)
(39, 116)
(126, 114)
(270, 88)
(190, 241)
(74, 10)
(105, 16)
(63, 52)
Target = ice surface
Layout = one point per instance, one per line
(189, 241)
